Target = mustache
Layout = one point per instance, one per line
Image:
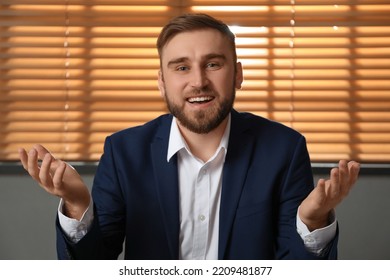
(201, 91)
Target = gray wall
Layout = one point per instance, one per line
(27, 216)
(364, 220)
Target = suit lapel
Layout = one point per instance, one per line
(166, 178)
(235, 169)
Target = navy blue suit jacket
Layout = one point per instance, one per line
(266, 175)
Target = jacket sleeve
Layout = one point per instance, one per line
(296, 185)
(105, 237)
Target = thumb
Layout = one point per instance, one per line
(319, 191)
(316, 196)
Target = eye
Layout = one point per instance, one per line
(213, 65)
(182, 68)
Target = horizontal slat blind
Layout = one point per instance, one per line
(72, 72)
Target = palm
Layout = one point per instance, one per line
(314, 210)
(57, 178)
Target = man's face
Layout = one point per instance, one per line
(198, 79)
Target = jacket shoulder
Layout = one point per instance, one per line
(158, 127)
(259, 125)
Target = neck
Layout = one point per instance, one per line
(203, 146)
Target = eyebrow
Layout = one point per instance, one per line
(206, 57)
(177, 61)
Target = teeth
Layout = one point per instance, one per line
(199, 99)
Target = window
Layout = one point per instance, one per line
(73, 72)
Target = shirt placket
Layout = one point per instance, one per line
(201, 213)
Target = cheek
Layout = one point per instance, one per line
(224, 84)
(176, 86)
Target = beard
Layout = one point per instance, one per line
(202, 121)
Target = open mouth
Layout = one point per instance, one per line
(200, 99)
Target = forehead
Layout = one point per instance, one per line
(196, 44)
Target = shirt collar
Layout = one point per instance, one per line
(177, 142)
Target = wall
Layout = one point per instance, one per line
(364, 219)
(27, 216)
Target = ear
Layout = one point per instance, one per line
(161, 83)
(239, 75)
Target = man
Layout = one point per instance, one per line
(204, 182)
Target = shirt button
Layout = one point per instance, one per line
(202, 217)
(309, 240)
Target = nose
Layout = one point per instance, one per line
(199, 78)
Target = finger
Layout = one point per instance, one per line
(333, 187)
(344, 185)
(59, 175)
(42, 151)
(354, 169)
(23, 157)
(44, 174)
(32, 164)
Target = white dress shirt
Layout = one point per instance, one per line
(200, 185)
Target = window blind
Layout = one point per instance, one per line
(73, 72)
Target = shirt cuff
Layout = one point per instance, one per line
(317, 240)
(76, 229)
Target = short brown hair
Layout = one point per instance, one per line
(190, 22)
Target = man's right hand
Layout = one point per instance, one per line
(57, 178)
